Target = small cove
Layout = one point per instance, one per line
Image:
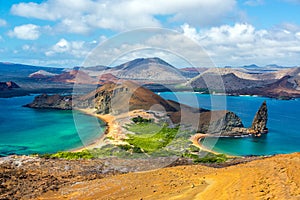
(283, 123)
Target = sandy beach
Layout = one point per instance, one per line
(196, 142)
(112, 129)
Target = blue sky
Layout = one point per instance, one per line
(62, 32)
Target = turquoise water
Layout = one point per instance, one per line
(28, 131)
(283, 124)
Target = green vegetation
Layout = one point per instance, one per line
(144, 128)
(209, 158)
(85, 154)
(152, 142)
(149, 136)
(131, 149)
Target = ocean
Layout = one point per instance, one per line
(30, 131)
(283, 123)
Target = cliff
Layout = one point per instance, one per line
(259, 124)
(45, 101)
(118, 98)
(127, 96)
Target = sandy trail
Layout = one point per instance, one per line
(271, 178)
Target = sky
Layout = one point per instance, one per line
(63, 33)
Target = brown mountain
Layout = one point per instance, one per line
(106, 78)
(283, 88)
(124, 96)
(150, 69)
(117, 98)
(227, 82)
(73, 76)
(280, 84)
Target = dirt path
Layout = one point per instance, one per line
(271, 178)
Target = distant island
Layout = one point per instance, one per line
(158, 75)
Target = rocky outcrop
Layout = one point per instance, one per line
(127, 96)
(24, 177)
(118, 98)
(259, 124)
(226, 123)
(258, 127)
(51, 102)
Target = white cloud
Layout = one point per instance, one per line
(190, 32)
(242, 43)
(82, 16)
(3, 22)
(79, 49)
(25, 32)
(171, 46)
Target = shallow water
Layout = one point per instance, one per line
(28, 131)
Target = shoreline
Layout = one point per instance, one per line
(110, 128)
(196, 142)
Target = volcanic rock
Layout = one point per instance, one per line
(259, 124)
(51, 102)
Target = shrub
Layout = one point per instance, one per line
(212, 158)
(84, 154)
(153, 142)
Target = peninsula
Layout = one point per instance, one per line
(127, 106)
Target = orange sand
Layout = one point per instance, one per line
(271, 178)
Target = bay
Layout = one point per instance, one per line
(283, 123)
(30, 131)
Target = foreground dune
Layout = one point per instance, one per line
(271, 178)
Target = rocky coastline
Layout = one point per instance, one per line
(109, 99)
(56, 101)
